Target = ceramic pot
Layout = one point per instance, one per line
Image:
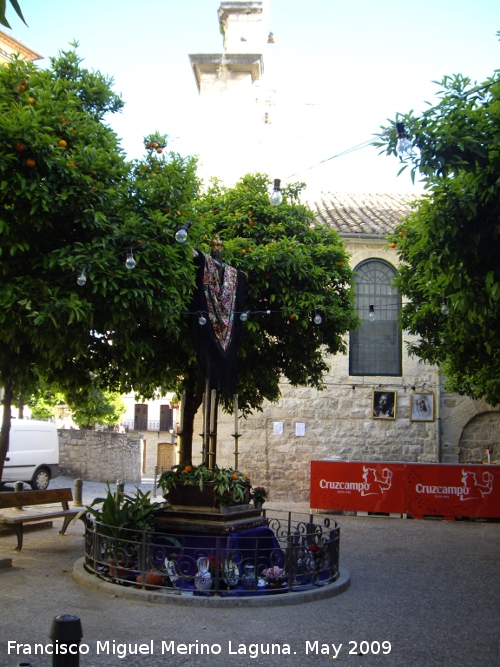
(153, 580)
(248, 578)
(203, 579)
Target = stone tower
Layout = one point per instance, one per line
(234, 95)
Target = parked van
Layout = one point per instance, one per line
(33, 455)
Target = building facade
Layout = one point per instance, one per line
(11, 46)
(345, 421)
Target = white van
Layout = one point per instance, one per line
(33, 455)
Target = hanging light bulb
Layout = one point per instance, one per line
(276, 197)
(445, 308)
(404, 147)
(371, 313)
(82, 278)
(130, 261)
(182, 233)
(317, 317)
(202, 320)
(244, 316)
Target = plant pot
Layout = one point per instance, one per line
(118, 572)
(257, 505)
(153, 580)
(276, 582)
(190, 495)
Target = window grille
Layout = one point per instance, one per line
(375, 348)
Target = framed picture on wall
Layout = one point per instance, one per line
(422, 407)
(384, 404)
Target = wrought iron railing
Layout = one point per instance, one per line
(290, 552)
(150, 425)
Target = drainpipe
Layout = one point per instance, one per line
(439, 452)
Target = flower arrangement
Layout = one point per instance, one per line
(259, 494)
(229, 485)
(275, 576)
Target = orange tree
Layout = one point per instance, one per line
(70, 206)
(297, 269)
(449, 247)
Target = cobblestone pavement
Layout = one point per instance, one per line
(427, 591)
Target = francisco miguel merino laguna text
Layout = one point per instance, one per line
(123, 650)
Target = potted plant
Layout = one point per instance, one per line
(259, 496)
(275, 576)
(200, 486)
(122, 519)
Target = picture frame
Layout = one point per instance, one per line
(383, 404)
(422, 407)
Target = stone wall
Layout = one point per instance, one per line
(99, 456)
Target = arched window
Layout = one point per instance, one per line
(375, 348)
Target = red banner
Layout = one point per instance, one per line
(416, 489)
(453, 490)
(369, 487)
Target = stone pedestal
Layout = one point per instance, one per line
(209, 521)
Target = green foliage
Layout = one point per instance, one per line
(93, 405)
(229, 484)
(123, 517)
(449, 246)
(295, 266)
(17, 9)
(44, 403)
(69, 201)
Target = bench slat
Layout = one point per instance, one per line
(8, 520)
(26, 498)
(12, 499)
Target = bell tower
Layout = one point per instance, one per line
(234, 94)
(245, 30)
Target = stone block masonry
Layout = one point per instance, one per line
(99, 456)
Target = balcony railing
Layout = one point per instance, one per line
(150, 425)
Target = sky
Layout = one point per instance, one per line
(352, 64)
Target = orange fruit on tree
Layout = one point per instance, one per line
(159, 149)
(234, 475)
(243, 251)
(71, 164)
(31, 100)
(392, 245)
(340, 263)
(30, 163)
(251, 223)
(62, 143)
(21, 88)
(20, 147)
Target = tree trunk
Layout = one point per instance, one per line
(193, 390)
(20, 407)
(4, 436)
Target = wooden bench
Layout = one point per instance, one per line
(20, 499)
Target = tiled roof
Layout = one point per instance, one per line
(362, 214)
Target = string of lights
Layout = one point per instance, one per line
(404, 149)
